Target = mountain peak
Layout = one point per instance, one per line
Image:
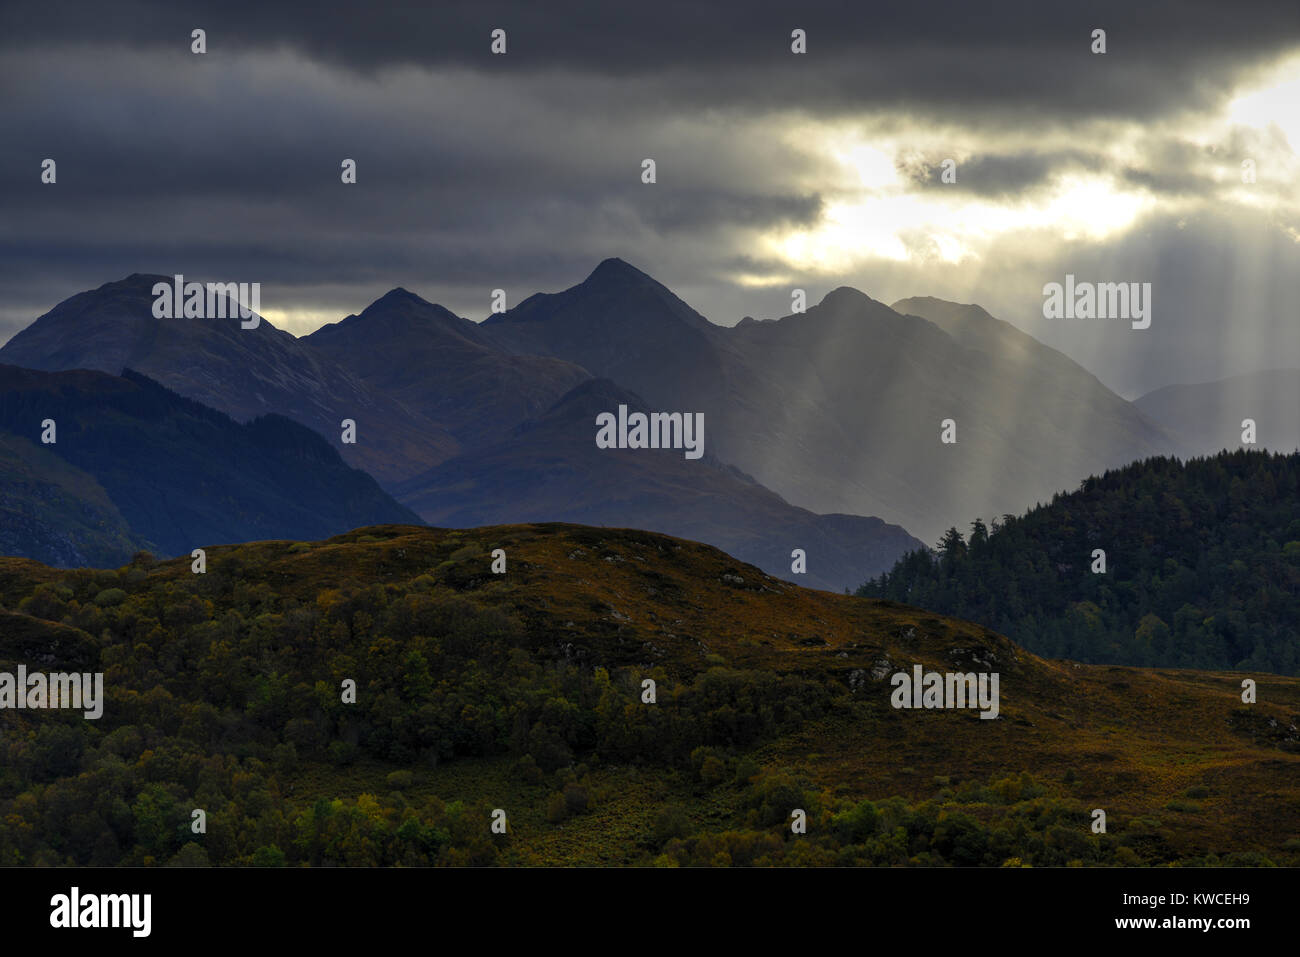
(402, 303)
(845, 296)
(397, 295)
(616, 270)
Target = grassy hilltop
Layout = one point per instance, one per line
(522, 691)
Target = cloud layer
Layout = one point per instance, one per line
(774, 170)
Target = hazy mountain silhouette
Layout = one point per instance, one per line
(550, 469)
(443, 366)
(1207, 416)
(242, 372)
(839, 409)
(175, 473)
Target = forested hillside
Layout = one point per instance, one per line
(1202, 567)
(524, 693)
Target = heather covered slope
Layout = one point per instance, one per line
(54, 512)
(523, 691)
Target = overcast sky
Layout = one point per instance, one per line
(775, 170)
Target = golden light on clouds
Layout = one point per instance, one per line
(936, 223)
(884, 202)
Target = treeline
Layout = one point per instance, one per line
(1202, 568)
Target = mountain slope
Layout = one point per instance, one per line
(619, 324)
(839, 409)
(443, 367)
(1207, 416)
(550, 469)
(525, 692)
(55, 513)
(242, 372)
(179, 474)
(1202, 568)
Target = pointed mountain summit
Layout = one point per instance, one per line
(615, 271)
(618, 323)
(443, 366)
(613, 281)
(846, 297)
(395, 319)
(242, 372)
(398, 305)
(838, 409)
(973, 326)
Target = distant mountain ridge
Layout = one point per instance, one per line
(550, 470)
(1208, 416)
(450, 371)
(242, 372)
(837, 411)
(145, 468)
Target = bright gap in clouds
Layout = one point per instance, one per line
(935, 223)
(874, 211)
(1276, 103)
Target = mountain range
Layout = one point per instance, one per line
(814, 421)
(839, 409)
(242, 372)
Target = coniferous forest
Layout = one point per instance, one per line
(1202, 567)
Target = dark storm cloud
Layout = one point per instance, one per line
(918, 56)
(168, 163)
(997, 175)
(523, 171)
(1170, 182)
(691, 209)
